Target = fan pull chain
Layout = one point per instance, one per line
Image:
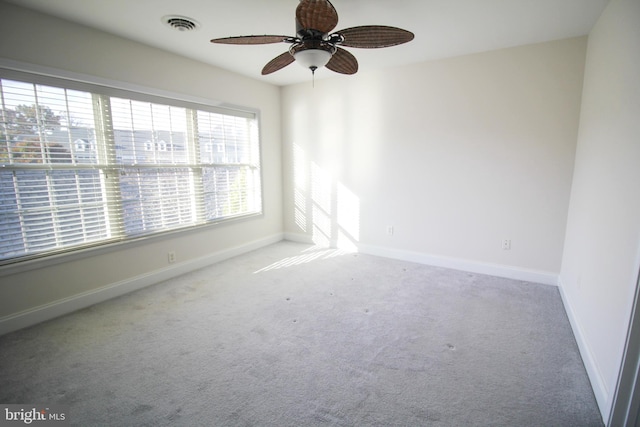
(313, 76)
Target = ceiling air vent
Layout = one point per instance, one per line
(180, 23)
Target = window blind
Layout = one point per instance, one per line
(80, 168)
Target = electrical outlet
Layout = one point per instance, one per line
(506, 244)
(171, 257)
(390, 230)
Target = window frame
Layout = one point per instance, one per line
(13, 70)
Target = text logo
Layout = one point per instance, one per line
(36, 415)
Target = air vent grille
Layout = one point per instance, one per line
(180, 23)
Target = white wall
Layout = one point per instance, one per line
(456, 154)
(38, 39)
(602, 249)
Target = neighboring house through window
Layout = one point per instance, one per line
(81, 166)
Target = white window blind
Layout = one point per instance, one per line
(82, 167)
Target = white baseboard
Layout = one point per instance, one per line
(68, 305)
(516, 273)
(299, 238)
(603, 397)
(544, 277)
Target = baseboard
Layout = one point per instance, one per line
(497, 270)
(603, 397)
(527, 275)
(299, 238)
(68, 305)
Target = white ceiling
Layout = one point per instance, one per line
(442, 28)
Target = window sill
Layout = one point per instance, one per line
(20, 266)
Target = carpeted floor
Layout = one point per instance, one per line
(292, 335)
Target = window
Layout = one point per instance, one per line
(82, 145)
(81, 166)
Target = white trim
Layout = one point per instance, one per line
(625, 401)
(106, 247)
(509, 272)
(598, 384)
(298, 238)
(117, 85)
(68, 305)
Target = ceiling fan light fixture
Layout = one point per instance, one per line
(312, 59)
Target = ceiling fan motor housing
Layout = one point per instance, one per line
(312, 44)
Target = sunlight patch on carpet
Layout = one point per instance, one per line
(309, 255)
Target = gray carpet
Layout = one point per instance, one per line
(291, 335)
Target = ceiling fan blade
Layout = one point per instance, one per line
(343, 62)
(374, 36)
(278, 63)
(316, 15)
(250, 39)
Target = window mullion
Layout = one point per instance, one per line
(110, 176)
(160, 172)
(55, 214)
(46, 159)
(81, 210)
(23, 228)
(193, 153)
(72, 147)
(5, 157)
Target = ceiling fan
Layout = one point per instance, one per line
(314, 46)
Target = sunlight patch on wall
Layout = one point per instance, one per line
(300, 186)
(300, 209)
(322, 225)
(299, 167)
(348, 211)
(325, 209)
(321, 193)
(345, 242)
(321, 198)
